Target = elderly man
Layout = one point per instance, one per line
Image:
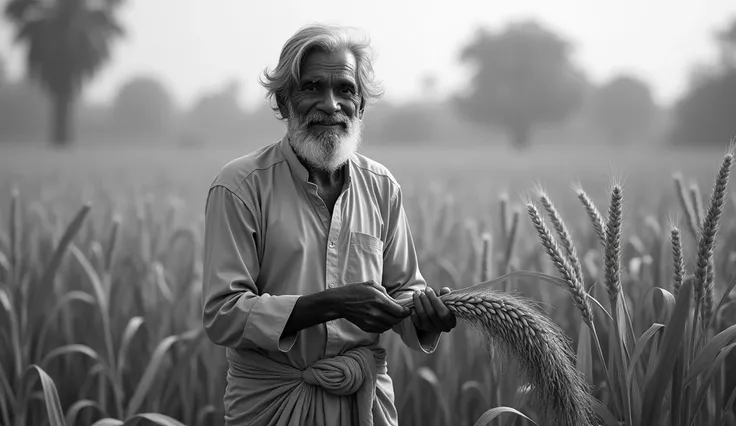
(308, 251)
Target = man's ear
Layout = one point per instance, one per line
(361, 110)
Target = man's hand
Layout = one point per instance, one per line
(430, 314)
(368, 306)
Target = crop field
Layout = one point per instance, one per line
(100, 290)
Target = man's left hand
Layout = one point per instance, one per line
(430, 314)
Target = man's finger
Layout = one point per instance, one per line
(433, 318)
(389, 304)
(421, 311)
(393, 307)
(444, 314)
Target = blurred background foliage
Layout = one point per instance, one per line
(525, 90)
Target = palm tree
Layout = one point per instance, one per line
(68, 41)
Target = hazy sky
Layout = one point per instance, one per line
(200, 45)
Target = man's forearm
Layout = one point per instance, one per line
(311, 310)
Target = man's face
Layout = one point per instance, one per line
(324, 117)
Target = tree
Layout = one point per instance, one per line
(705, 113)
(524, 78)
(68, 42)
(143, 106)
(623, 109)
(217, 116)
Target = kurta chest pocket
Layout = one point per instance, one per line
(365, 258)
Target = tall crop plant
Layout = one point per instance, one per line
(673, 373)
(100, 312)
(65, 316)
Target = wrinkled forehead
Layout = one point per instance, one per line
(319, 64)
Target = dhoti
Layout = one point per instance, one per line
(349, 389)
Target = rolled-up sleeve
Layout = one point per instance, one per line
(235, 314)
(401, 275)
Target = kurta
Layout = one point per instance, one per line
(269, 238)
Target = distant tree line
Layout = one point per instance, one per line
(707, 114)
(524, 90)
(142, 111)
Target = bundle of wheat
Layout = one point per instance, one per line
(514, 326)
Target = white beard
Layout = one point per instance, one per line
(326, 150)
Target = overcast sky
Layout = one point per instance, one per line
(198, 45)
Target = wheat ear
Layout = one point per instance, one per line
(678, 260)
(514, 327)
(704, 271)
(613, 246)
(563, 234)
(595, 216)
(564, 267)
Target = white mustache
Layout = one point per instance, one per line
(315, 119)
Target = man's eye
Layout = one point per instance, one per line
(311, 85)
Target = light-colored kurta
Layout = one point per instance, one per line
(269, 238)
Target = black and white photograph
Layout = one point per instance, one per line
(386, 213)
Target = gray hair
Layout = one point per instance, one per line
(280, 82)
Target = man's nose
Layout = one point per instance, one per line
(329, 103)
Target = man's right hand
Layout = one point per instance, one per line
(368, 306)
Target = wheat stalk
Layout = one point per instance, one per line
(613, 246)
(511, 237)
(704, 274)
(503, 212)
(513, 326)
(564, 235)
(678, 260)
(599, 224)
(485, 263)
(564, 267)
(686, 205)
(697, 201)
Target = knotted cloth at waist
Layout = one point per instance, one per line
(353, 372)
